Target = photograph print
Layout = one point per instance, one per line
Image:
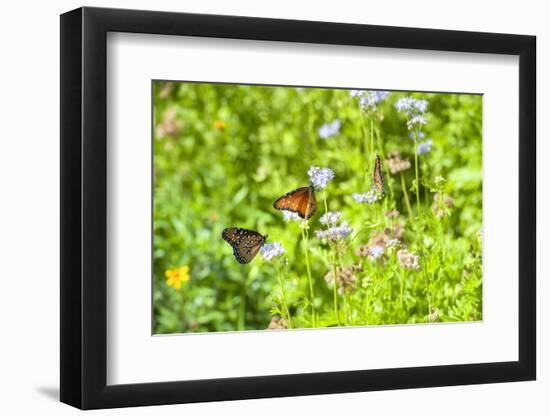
(283, 208)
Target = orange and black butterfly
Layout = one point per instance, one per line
(301, 201)
(377, 178)
(245, 243)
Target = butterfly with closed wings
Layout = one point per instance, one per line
(301, 201)
(377, 179)
(245, 243)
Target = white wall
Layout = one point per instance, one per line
(29, 238)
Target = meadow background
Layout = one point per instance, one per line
(224, 153)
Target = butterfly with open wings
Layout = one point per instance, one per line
(301, 201)
(245, 243)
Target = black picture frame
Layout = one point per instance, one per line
(84, 207)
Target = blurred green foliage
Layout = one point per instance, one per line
(224, 153)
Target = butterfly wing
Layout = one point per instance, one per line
(377, 176)
(245, 243)
(301, 201)
(249, 247)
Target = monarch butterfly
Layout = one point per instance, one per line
(301, 201)
(245, 243)
(377, 178)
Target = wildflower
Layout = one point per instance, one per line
(329, 129)
(416, 120)
(376, 252)
(408, 259)
(433, 316)
(277, 323)
(290, 215)
(392, 243)
(404, 104)
(411, 106)
(421, 105)
(378, 242)
(169, 126)
(417, 136)
(175, 277)
(345, 278)
(441, 205)
(367, 282)
(335, 233)
(320, 177)
(425, 147)
(272, 250)
(369, 99)
(396, 164)
(220, 125)
(391, 213)
(362, 251)
(368, 197)
(330, 218)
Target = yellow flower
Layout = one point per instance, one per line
(175, 277)
(220, 125)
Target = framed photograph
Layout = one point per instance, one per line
(257, 208)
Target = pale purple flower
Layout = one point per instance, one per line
(290, 215)
(329, 129)
(392, 243)
(368, 197)
(369, 99)
(404, 104)
(411, 106)
(330, 218)
(425, 147)
(335, 233)
(320, 177)
(417, 120)
(272, 250)
(376, 252)
(421, 105)
(414, 136)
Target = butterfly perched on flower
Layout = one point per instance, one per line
(245, 243)
(377, 179)
(301, 201)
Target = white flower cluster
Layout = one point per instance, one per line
(335, 233)
(272, 250)
(290, 215)
(320, 177)
(330, 218)
(329, 129)
(369, 99)
(368, 197)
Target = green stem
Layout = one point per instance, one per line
(283, 297)
(401, 288)
(350, 310)
(371, 139)
(417, 188)
(427, 281)
(406, 195)
(308, 268)
(242, 309)
(334, 276)
(366, 144)
(382, 153)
